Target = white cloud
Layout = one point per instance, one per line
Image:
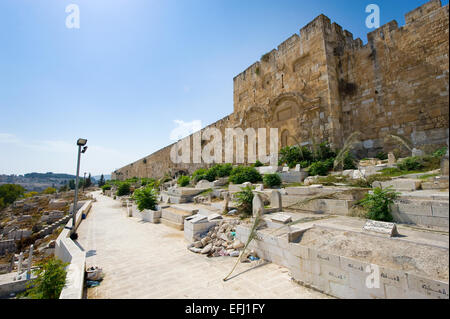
(185, 129)
(6, 138)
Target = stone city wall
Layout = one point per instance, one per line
(322, 85)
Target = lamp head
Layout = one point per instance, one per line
(81, 142)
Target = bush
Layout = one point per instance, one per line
(50, 280)
(324, 152)
(245, 201)
(222, 170)
(411, 164)
(30, 194)
(124, 189)
(378, 204)
(381, 156)
(146, 198)
(349, 162)
(105, 188)
(440, 152)
(258, 164)
(292, 155)
(10, 192)
(243, 174)
(183, 181)
(321, 167)
(272, 180)
(49, 190)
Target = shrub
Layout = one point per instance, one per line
(245, 201)
(304, 164)
(124, 189)
(183, 181)
(411, 164)
(30, 194)
(49, 190)
(11, 192)
(440, 152)
(105, 188)
(258, 164)
(349, 162)
(50, 280)
(272, 180)
(146, 198)
(242, 174)
(324, 152)
(198, 174)
(292, 155)
(381, 156)
(222, 170)
(321, 167)
(378, 204)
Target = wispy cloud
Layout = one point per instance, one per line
(6, 138)
(184, 129)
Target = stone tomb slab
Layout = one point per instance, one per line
(383, 228)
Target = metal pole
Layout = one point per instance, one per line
(74, 210)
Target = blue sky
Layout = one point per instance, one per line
(135, 70)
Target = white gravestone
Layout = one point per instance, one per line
(275, 200)
(257, 205)
(381, 228)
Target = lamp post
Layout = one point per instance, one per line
(81, 149)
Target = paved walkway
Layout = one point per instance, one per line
(144, 260)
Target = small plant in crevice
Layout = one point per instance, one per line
(245, 201)
(378, 204)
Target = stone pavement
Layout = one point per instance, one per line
(144, 260)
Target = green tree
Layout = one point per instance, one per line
(10, 192)
(50, 280)
(88, 182)
(72, 184)
(101, 182)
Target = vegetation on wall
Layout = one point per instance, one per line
(272, 180)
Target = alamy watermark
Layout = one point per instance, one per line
(73, 17)
(373, 19)
(234, 145)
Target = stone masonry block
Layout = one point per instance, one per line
(319, 256)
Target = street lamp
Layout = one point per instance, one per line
(81, 144)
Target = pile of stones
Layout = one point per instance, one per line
(219, 241)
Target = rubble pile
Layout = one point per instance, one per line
(219, 241)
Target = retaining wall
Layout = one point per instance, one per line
(68, 251)
(340, 276)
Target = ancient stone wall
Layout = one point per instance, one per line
(323, 85)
